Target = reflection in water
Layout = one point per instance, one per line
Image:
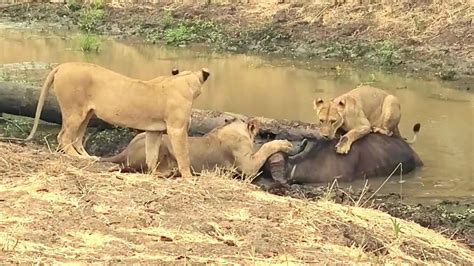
(276, 88)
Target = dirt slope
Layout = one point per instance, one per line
(57, 209)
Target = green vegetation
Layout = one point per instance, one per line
(345, 50)
(177, 32)
(199, 31)
(97, 4)
(4, 76)
(14, 127)
(384, 53)
(264, 38)
(181, 31)
(73, 5)
(91, 17)
(447, 74)
(90, 43)
(106, 142)
(396, 226)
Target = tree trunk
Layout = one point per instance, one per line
(21, 99)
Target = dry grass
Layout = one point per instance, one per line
(415, 22)
(409, 19)
(58, 209)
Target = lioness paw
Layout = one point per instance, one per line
(382, 131)
(285, 146)
(343, 147)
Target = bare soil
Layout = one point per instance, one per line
(54, 208)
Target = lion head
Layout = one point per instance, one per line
(330, 116)
(234, 127)
(253, 126)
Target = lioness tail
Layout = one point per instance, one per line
(416, 130)
(119, 158)
(44, 93)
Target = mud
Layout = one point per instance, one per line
(443, 52)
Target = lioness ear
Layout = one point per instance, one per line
(253, 126)
(174, 71)
(342, 103)
(317, 102)
(205, 74)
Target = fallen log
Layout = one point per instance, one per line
(21, 99)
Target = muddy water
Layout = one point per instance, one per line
(280, 88)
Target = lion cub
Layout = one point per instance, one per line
(229, 145)
(360, 111)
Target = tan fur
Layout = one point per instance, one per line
(154, 106)
(360, 111)
(230, 145)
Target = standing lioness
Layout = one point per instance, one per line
(155, 106)
(358, 112)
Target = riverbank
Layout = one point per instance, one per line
(434, 39)
(452, 218)
(61, 209)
